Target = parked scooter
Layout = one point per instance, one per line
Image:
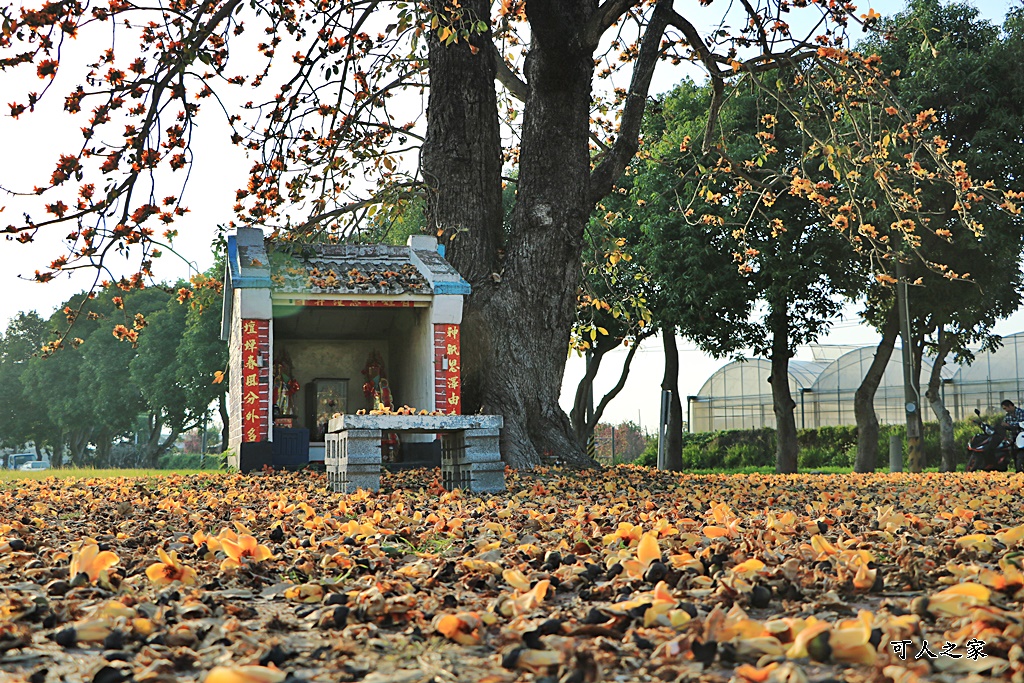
(1009, 451)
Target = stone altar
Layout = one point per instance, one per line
(470, 455)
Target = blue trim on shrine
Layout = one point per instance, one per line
(459, 286)
(238, 280)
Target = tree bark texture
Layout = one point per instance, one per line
(786, 449)
(670, 382)
(461, 169)
(78, 445)
(864, 397)
(947, 445)
(585, 395)
(225, 432)
(516, 323)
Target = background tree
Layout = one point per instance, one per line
(94, 391)
(628, 439)
(22, 413)
(201, 353)
(62, 383)
(733, 273)
(963, 69)
(611, 312)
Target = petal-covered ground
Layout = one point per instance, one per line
(618, 575)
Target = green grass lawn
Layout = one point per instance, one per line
(88, 472)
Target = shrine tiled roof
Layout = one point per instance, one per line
(347, 269)
(416, 268)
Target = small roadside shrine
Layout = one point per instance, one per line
(350, 354)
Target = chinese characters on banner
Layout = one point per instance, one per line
(255, 379)
(447, 369)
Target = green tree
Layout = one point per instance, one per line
(23, 416)
(61, 382)
(146, 357)
(201, 353)
(611, 311)
(730, 272)
(965, 70)
(113, 394)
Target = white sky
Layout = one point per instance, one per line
(33, 143)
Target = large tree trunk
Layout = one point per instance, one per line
(517, 321)
(461, 167)
(783, 405)
(947, 444)
(674, 429)
(78, 444)
(225, 433)
(864, 398)
(104, 444)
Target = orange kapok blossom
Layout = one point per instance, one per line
(647, 551)
(244, 674)
(212, 542)
(169, 570)
(91, 562)
(463, 628)
(245, 548)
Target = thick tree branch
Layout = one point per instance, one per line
(602, 19)
(614, 391)
(717, 97)
(516, 86)
(614, 163)
(762, 36)
(578, 415)
(694, 40)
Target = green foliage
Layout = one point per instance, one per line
(649, 456)
(150, 353)
(190, 461)
(689, 227)
(966, 70)
(820, 449)
(23, 416)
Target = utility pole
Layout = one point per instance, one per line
(613, 446)
(911, 392)
(202, 443)
(666, 397)
(588, 414)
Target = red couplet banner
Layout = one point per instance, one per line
(255, 379)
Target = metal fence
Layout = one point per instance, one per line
(738, 395)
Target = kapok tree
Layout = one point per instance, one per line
(335, 136)
(962, 69)
(795, 268)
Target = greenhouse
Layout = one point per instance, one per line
(738, 395)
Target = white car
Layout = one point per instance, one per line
(34, 465)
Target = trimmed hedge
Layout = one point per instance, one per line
(190, 461)
(823, 447)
